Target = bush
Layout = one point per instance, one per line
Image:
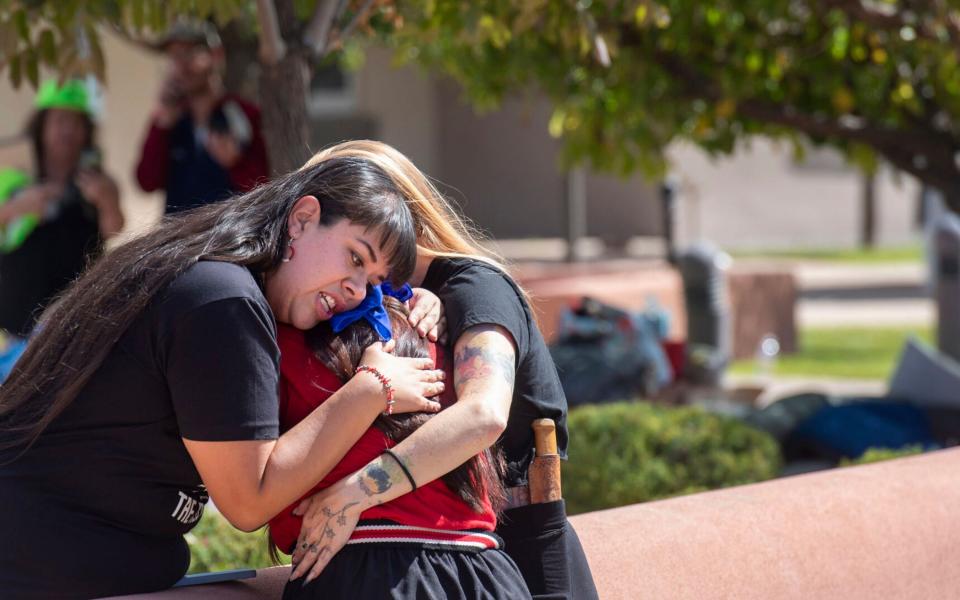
(634, 452)
(215, 545)
(873, 455)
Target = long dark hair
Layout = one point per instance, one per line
(34, 131)
(81, 327)
(341, 353)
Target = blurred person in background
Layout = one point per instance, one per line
(54, 220)
(203, 144)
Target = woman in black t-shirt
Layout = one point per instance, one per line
(54, 220)
(504, 380)
(153, 381)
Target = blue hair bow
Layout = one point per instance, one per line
(370, 309)
(403, 294)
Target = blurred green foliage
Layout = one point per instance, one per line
(633, 452)
(874, 455)
(215, 545)
(628, 77)
(625, 77)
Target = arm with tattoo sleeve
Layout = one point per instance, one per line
(484, 371)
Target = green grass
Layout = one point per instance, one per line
(848, 352)
(216, 546)
(910, 253)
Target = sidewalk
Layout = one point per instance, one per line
(837, 294)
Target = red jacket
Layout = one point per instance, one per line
(153, 170)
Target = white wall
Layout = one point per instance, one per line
(761, 199)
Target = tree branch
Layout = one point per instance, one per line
(360, 15)
(888, 18)
(272, 46)
(316, 37)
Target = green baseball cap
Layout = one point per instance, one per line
(72, 95)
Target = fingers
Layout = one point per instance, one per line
(390, 346)
(302, 507)
(428, 405)
(324, 555)
(431, 389)
(425, 315)
(434, 375)
(439, 331)
(308, 556)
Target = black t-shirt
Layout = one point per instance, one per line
(47, 261)
(200, 363)
(475, 293)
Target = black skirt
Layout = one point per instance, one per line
(409, 571)
(548, 552)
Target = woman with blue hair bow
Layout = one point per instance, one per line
(437, 541)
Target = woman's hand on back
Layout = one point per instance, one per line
(414, 380)
(426, 315)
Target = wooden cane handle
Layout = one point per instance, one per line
(545, 436)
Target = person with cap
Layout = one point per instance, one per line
(203, 144)
(55, 220)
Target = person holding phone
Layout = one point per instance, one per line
(54, 220)
(203, 144)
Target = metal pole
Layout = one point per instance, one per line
(576, 205)
(668, 200)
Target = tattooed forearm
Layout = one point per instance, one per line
(374, 479)
(481, 358)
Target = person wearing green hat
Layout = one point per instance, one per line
(52, 221)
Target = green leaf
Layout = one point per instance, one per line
(31, 67)
(22, 25)
(16, 73)
(48, 47)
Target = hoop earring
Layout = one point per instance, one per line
(292, 252)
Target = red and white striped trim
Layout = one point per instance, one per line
(434, 538)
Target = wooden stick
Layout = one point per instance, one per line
(544, 471)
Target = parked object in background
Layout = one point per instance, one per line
(704, 269)
(947, 287)
(604, 353)
(926, 377)
(763, 301)
(766, 358)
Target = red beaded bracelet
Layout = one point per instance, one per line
(387, 388)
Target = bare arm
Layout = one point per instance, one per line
(484, 371)
(251, 481)
(101, 191)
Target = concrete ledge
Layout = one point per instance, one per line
(887, 530)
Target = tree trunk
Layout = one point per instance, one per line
(241, 71)
(283, 97)
(283, 100)
(868, 223)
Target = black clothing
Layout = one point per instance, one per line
(398, 572)
(542, 542)
(194, 177)
(117, 486)
(48, 260)
(538, 537)
(475, 293)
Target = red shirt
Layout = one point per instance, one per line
(306, 383)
